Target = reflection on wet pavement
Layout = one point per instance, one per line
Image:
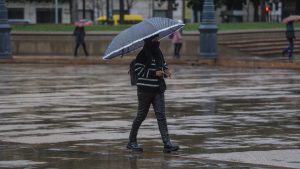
(58, 116)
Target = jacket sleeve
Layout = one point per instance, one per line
(164, 62)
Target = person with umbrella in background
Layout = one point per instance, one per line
(177, 41)
(290, 36)
(151, 69)
(79, 33)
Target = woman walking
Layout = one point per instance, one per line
(79, 34)
(151, 70)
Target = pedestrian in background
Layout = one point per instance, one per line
(79, 34)
(290, 36)
(151, 69)
(177, 41)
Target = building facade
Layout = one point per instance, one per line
(41, 12)
(36, 12)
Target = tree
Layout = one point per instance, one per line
(73, 10)
(297, 11)
(36, 0)
(172, 4)
(121, 12)
(197, 6)
(234, 4)
(129, 4)
(256, 4)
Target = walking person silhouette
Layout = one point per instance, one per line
(79, 34)
(290, 36)
(151, 69)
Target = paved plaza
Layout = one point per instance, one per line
(79, 117)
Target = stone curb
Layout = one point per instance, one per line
(223, 62)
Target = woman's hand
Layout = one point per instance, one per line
(159, 73)
(168, 73)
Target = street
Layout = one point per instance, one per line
(79, 116)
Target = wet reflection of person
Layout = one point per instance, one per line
(151, 69)
(79, 34)
(133, 162)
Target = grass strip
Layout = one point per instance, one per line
(188, 27)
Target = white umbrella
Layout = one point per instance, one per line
(133, 38)
(83, 22)
(291, 18)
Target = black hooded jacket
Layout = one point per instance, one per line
(79, 33)
(148, 61)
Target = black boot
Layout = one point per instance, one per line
(163, 128)
(132, 144)
(169, 147)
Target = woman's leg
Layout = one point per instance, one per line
(84, 48)
(144, 102)
(76, 49)
(291, 49)
(159, 109)
(175, 49)
(179, 47)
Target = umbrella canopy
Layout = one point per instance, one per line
(133, 38)
(83, 22)
(291, 18)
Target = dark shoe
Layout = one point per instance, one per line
(168, 148)
(134, 146)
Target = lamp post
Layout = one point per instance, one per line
(107, 11)
(208, 32)
(56, 11)
(83, 9)
(5, 46)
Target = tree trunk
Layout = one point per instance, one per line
(107, 11)
(297, 11)
(83, 9)
(73, 10)
(256, 16)
(121, 11)
(170, 9)
(263, 12)
(195, 14)
(129, 5)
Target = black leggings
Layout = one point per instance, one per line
(177, 47)
(158, 102)
(84, 48)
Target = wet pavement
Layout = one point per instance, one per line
(79, 116)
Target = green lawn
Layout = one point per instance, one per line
(188, 27)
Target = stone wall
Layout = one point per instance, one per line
(63, 44)
(24, 43)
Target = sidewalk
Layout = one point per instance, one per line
(234, 62)
(78, 116)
